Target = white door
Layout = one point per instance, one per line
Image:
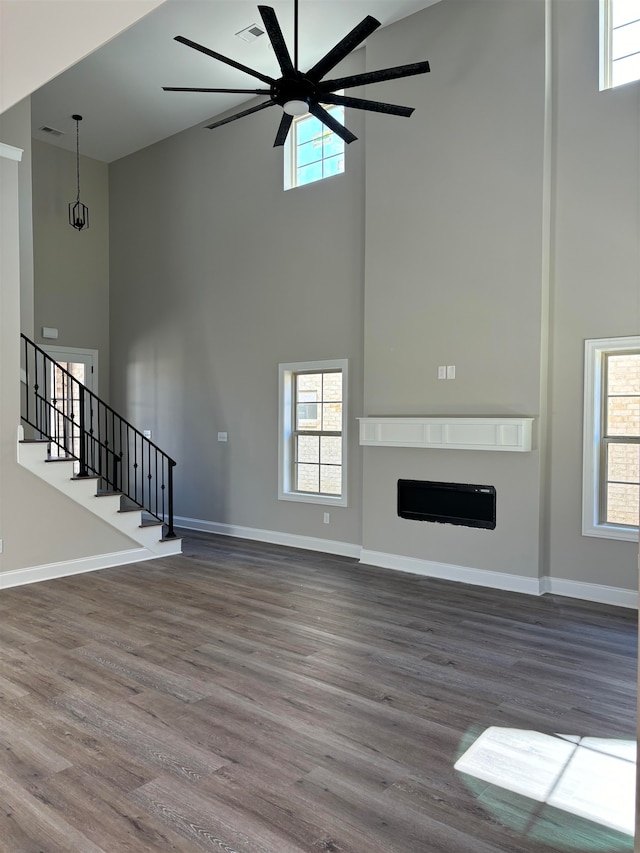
(63, 395)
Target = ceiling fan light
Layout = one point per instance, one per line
(296, 108)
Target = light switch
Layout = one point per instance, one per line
(222, 436)
(442, 372)
(451, 371)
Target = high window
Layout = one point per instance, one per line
(313, 432)
(619, 42)
(611, 480)
(312, 151)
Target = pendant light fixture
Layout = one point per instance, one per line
(78, 212)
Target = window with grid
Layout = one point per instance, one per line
(313, 431)
(619, 42)
(313, 152)
(611, 505)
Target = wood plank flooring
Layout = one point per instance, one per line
(248, 698)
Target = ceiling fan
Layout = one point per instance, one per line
(300, 93)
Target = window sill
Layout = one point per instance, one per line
(303, 497)
(609, 531)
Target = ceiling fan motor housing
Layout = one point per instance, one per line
(294, 88)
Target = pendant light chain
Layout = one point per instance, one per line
(78, 156)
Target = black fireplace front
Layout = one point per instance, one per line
(449, 503)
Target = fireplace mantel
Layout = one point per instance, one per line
(448, 433)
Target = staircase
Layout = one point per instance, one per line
(82, 447)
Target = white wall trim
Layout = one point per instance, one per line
(599, 593)
(453, 433)
(50, 571)
(275, 537)
(450, 572)
(10, 152)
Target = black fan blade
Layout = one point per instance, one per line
(224, 59)
(276, 38)
(343, 48)
(261, 106)
(374, 77)
(229, 91)
(283, 130)
(329, 121)
(362, 104)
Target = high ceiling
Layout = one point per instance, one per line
(118, 89)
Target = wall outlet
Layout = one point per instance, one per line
(1, 546)
(451, 371)
(222, 436)
(146, 433)
(327, 517)
(442, 371)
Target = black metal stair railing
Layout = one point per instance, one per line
(80, 425)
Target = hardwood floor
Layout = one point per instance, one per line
(248, 698)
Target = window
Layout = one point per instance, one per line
(619, 42)
(312, 151)
(313, 432)
(611, 476)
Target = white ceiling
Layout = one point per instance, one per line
(118, 89)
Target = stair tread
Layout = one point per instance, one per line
(34, 441)
(61, 459)
(86, 477)
(130, 509)
(149, 523)
(107, 493)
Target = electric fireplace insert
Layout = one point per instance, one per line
(466, 504)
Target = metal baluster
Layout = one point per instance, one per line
(26, 380)
(156, 505)
(83, 434)
(171, 532)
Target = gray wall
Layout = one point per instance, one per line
(596, 274)
(454, 265)
(71, 268)
(217, 276)
(457, 237)
(38, 525)
(15, 129)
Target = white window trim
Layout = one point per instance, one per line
(606, 47)
(605, 29)
(285, 428)
(591, 465)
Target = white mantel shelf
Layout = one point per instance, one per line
(452, 433)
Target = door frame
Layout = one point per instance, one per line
(77, 355)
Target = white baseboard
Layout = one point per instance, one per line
(427, 568)
(275, 537)
(450, 572)
(49, 571)
(591, 592)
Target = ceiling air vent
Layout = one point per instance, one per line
(250, 33)
(51, 130)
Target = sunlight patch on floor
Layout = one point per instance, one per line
(593, 778)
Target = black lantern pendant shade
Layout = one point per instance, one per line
(78, 212)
